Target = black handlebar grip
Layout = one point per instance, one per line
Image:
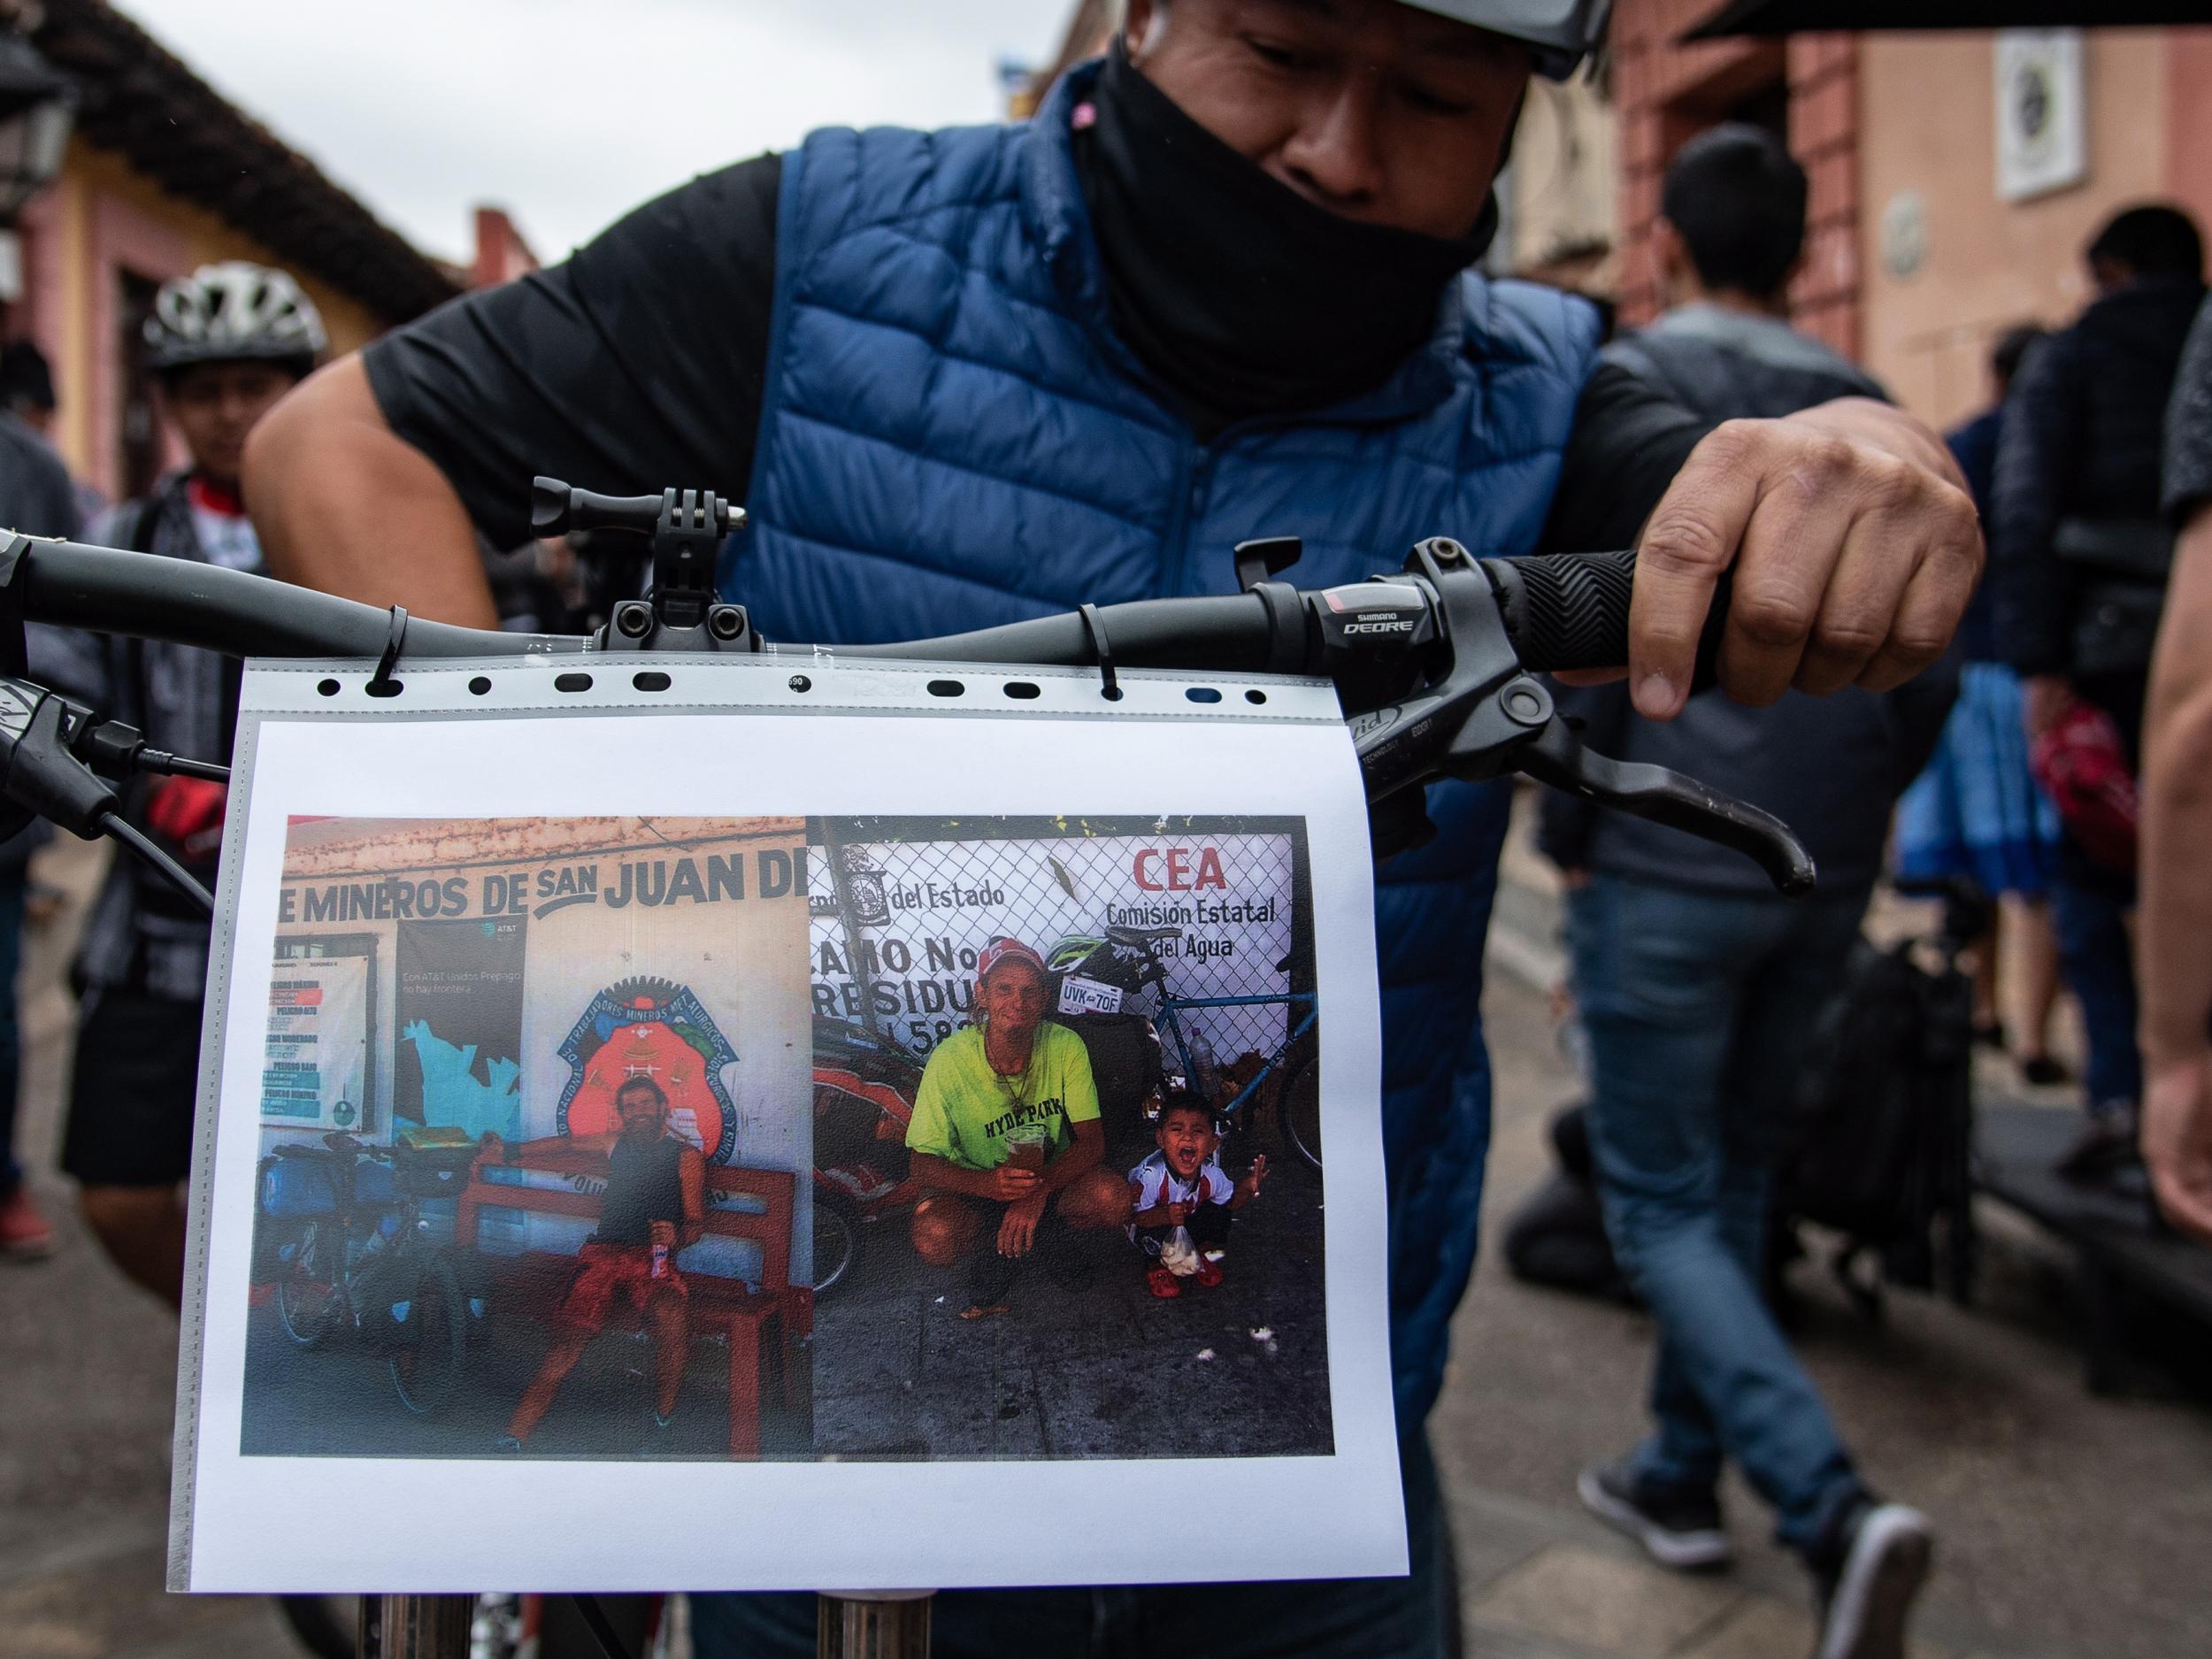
(1571, 610)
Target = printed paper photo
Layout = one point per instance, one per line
(534, 1152)
(1066, 1140)
(844, 1144)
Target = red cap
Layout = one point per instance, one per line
(1004, 950)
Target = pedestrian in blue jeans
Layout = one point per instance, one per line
(1698, 1006)
(2090, 907)
(2079, 547)
(1699, 986)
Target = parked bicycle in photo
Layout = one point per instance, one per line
(348, 1248)
(1122, 973)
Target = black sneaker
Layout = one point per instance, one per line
(1676, 1529)
(1866, 1585)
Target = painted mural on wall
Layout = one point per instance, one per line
(659, 1030)
(568, 1053)
(444, 979)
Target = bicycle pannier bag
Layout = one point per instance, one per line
(298, 1189)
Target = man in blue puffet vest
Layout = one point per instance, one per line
(1219, 286)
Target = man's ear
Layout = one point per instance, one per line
(1142, 28)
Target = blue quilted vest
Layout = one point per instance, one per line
(952, 437)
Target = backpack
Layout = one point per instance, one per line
(2081, 764)
(1885, 1123)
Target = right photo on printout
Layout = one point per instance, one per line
(1067, 1141)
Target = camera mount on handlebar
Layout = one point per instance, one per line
(685, 528)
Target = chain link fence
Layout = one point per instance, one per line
(902, 907)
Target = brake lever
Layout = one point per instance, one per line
(42, 775)
(1487, 717)
(1453, 722)
(1556, 755)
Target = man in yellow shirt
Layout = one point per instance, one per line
(1006, 1132)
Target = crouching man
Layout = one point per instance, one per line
(1006, 1138)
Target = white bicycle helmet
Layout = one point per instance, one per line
(232, 311)
(1563, 31)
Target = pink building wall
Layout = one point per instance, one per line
(1928, 130)
(1905, 123)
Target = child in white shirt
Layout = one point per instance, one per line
(1181, 1201)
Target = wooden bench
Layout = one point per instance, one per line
(2112, 1237)
(740, 1311)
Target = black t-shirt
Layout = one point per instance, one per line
(636, 364)
(644, 1184)
(640, 362)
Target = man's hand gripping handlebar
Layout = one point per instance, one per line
(1434, 664)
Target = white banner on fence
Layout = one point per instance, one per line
(909, 914)
(638, 986)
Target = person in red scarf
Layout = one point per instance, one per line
(224, 344)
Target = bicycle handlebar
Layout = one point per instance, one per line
(108, 591)
(1570, 610)
(1432, 664)
(1225, 632)
(1562, 611)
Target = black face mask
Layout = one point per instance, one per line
(1240, 293)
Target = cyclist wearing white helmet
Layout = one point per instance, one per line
(1219, 286)
(225, 343)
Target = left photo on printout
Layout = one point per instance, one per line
(535, 1143)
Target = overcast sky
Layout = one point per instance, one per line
(565, 113)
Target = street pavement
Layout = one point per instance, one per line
(1089, 1365)
(2067, 1524)
(338, 1400)
(88, 1386)
(2070, 1528)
